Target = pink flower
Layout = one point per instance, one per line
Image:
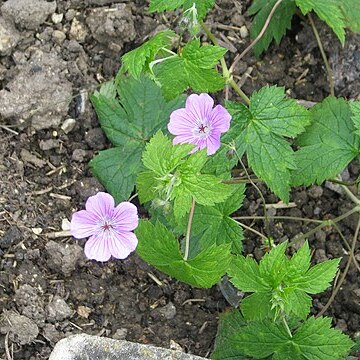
(109, 227)
(199, 123)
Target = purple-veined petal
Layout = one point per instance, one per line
(125, 217)
(181, 121)
(199, 106)
(102, 204)
(213, 143)
(220, 118)
(83, 224)
(97, 247)
(122, 244)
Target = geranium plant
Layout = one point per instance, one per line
(178, 153)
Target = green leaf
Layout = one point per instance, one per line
(313, 340)
(351, 11)
(128, 122)
(355, 109)
(279, 282)
(138, 60)
(158, 247)
(327, 10)
(214, 226)
(202, 6)
(262, 130)
(117, 169)
(245, 275)
(226, 346)
(279, 24)
(257, 306)
(318, 278)
(194, 68)
(328, 145)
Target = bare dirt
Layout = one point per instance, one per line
(52, 55)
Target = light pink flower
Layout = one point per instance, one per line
(109, 227)
(199, 123)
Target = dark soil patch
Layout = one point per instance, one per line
(45, 178)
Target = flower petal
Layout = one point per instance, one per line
(101, 204)
(199, 106)
(181, 121)
(213, 142)
(97, 247)
(122, 244)
(220, 119)
(83, 224)
(125, 217)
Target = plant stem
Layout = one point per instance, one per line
(293, 218)
(343, 275)
(321, 48)
(252, 230)
(255, 41)
(286, 326)
(354, 198)
(324, 223)
(188, 230)
(226, 73)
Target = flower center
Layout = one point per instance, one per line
(202, 129)
(106, 226)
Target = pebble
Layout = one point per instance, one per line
(57, 18)
(120, 334)
(58, 37)
(49, 144)
(244, 32)
(315, 191)
(79, 155)
(168, 311)
(68, 125)
(78, 31)
(58, 309)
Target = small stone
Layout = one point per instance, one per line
(65, 224)
(244, 32)
(168, 311)
(84, 311)
(334, 187)
(37, 231)
(57, 18)
(49, 144)
(9, 37)
(77, 31)
(68, 125)
(95, 138)
(70, 14)
(120, 334)
(50, 333)
(21, 329)
(79, 155)
(12, 236)
(315, 192)
(58, 309)
(58, 37)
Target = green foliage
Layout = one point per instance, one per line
(280, 284)
(174, 175)
(279, 24)
(351, 10)
(128, 122)
(328, 145)
(138, 60)
(338, 14)
(212, 225)
(159, 247)
(313, 340)
(193, 67)
(261, 131)
(202, 6)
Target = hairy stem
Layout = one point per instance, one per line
(255, 41)
(343, 275)
(321, 48)
(291, 218)
(188, 230)
(226, 73)
(251, 229)
(286, 326)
